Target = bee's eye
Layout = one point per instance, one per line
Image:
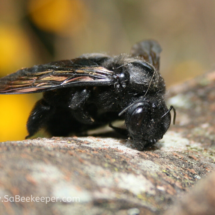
(138, 117)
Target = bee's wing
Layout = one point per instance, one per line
(76, 72)
(149, 50)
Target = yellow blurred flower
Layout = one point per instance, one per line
(58, 16)
(15, 50)
(14, 112)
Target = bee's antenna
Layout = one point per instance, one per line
(125, 109)
(122, 65)
(149, 83)
(174, 117)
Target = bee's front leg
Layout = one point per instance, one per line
(122, 131)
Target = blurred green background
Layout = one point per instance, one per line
(38, 31)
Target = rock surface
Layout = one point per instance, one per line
(95, 175)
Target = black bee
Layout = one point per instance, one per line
(97, 89)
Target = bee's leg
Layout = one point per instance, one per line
(83, 116)
(121, 131)
(77, 105)
(38, 117)
(79, 98)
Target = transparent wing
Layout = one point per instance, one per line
(149, 50)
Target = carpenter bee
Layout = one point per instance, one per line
(97, 89)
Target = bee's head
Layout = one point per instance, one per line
(147, 122)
